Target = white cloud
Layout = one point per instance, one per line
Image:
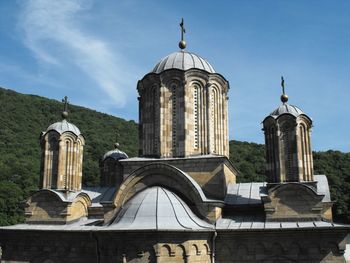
(53, 31)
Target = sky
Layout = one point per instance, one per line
(95, 52)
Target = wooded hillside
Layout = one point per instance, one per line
(24, 117)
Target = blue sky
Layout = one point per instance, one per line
(96, 51)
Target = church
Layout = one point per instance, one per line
(179, 200)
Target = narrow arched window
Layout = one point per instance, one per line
(195, 116)
(174, 117)
(272, 154)
(53, 162)
(66, 174)
(155, 118)
(288, 152)
(213, 124)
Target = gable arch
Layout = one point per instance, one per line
(167, 176)
(305, 188)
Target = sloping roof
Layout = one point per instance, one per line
(323, 187)
(245, 193)
(96, 194)
(251, 223)
(223, 224)
(251, 193)
(99, 194)
(157, 208)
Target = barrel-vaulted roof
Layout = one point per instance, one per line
(158, 208)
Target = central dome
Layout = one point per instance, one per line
(182, 60)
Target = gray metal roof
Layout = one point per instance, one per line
(182, 60)
(251, 193)
(116, 154)
(157, 208)
(150, 159)
(323, 187)
(63, 126)
(245, 193)
(246, 223)
(96, 194)
(99, 194)
(286, 108)
(223, 224)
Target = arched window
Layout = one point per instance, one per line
(52, 161)
(213, 120)
(66, 173)
(303, 150)
(288, 152)
(195, 116)
(272, 154)
(155, 118)
(174, 117)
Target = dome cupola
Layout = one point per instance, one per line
(288, 144)
(286, 109)
(183, 107)
(183, 60)
(63, 126)
(111, 170)
(62, 155)
(115, 154)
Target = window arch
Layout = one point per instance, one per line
(195, 116)
(288, 150)
(214, 120)
(52, 161)
(272, 153)
(174, 116)
(155, 117)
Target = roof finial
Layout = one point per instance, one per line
(182, 43)
(284, 96)
(65, 109)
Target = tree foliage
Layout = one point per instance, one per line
(23, 117)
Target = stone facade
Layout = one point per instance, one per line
(287, 246)
(62, 159)
(183, 113)
(296, 202)
(140, 247)
(288, 145)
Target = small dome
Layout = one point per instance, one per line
(64, 126)
(286, 108)
(159, 209)
(182, 60)
(116, 154)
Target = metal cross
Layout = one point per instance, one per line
(282, 84)
(183, 30)
(65, 101)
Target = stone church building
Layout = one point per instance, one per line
(179, 200)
